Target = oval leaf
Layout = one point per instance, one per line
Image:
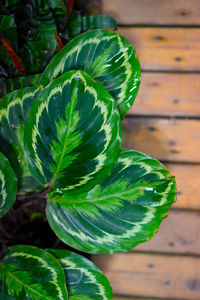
(72, 136)
(8, 185)
(83, 279)
(123, 211)
(34, 272)
(14, 108)
(108, 57)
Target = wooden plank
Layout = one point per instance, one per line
(178, 233)
(165, 139)
(165, 48)
(165, 12)
(188, 185)
(151, 275)
(168, 94)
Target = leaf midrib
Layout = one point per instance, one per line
(66, 138)
(118, 195)
(22, 283)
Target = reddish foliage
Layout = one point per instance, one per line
(70, 5)
(16, 60)
(58, 40)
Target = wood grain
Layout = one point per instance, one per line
(165, 12)
(178, 233)
(152, 275)
(168, 94)
(164, 139)
(175, 49)
(188, 185)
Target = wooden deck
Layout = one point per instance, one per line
(165, 123)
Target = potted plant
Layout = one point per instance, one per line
(61, 151)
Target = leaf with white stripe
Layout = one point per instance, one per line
(32, 273)
(107, 57)
(116, 215)
(72, 136)
(14, 108)
(83, 279)
(8, 185)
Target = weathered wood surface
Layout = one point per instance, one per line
(165, 12)
(188, 185)
(166, 139)
(168, 94)
(178, 233)
(176, 49)
(150, 275)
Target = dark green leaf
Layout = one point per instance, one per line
(32, 272)
(83, 279)
(116, 215)
(107, 57)
(11, 84)
(80, 24)
(13, 113)
(8, 185)
(72, 136)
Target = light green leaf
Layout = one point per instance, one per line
(8, 185)
(83, 279)
(107, 57)
(72, 136)
(116, 215)
(32, 273)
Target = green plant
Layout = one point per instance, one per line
(61, 138)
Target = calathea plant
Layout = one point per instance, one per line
(62, 137)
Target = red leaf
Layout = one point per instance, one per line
(70, 5)
(58, 40)
(16, 60)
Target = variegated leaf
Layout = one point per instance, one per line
(8, 185)
(72, 136)
(83, 279)
(8, 85)
(108, 57)
(116, 215)
(32, 273)
(13, 114)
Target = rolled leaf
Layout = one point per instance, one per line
(32, 273)
(83, 279)
(107, 57)
(8, 185)
(72, 136)
(116, 215)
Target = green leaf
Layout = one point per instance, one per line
(32, 272)
(13, 113)
(80, 24)
(83, 279)
(116, 215)
(107, 57)
(8, 29)
(72, 135)
(8, 85)
(8, 185)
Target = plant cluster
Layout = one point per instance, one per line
(61, 137)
